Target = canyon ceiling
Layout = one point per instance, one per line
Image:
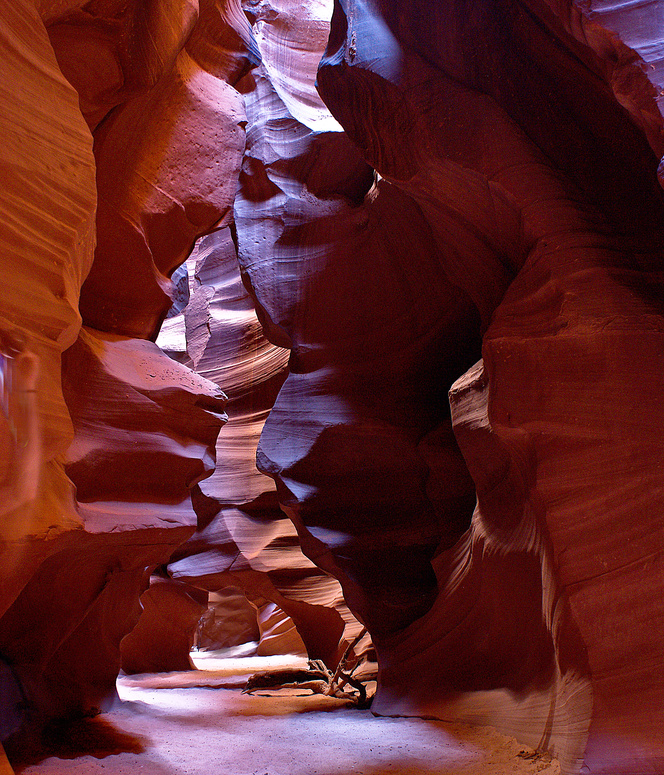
(411, 254)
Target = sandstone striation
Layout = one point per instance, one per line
(47, 206)
(489, 137)
(48, 202)
(243, 538)
(144, 428)
(346, 412)
(442, 344)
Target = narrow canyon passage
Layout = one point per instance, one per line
(335, 327)
(201, 724)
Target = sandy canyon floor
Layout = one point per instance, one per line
(199, 723)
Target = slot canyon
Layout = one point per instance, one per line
(335, 329)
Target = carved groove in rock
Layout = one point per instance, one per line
(442, 341)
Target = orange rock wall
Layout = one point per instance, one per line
(97, 483)
(451, 231)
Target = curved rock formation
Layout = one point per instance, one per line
(454, 249)
(346, 412)
(48, 201)
(144, 427)
(164, 635)
(47, 206)
(243, 538)
(488, 129)
(230, 621)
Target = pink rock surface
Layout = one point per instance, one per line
(628, 40)
(600, 514)
(47, 204)
(138, 417)
(230, 621)
(112, 51)
(489, 136)
(244, 538)
(81, 602)
(342, 438)
(469, 185)
(146, 428)
(278, 633)
(164, 177)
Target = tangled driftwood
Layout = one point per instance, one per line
(318, 678)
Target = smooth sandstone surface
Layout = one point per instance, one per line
(544, 227)
(243, 539)
(443, 343)
(164, 634)
(91, 548)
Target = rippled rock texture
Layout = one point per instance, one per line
(243, 538)
(103, 435)
(47, 206)
(483, 231)
(105, 439)
(443, 341)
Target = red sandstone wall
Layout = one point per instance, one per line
(504, 208)
(465, 216)
(144, 428)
